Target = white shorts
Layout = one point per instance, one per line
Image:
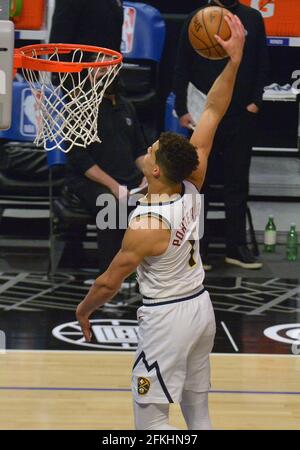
(175, 341)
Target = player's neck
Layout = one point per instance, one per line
(159, 188)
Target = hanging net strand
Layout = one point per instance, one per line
(68, 93)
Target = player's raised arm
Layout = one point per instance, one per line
(218, 98)
(145, 237)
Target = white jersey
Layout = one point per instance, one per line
(178, 271)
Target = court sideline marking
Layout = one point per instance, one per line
(230, 337)
(213, 391)
(127, 352)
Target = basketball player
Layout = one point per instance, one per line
(176, 321)
(231, 155)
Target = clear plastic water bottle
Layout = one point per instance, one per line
(292, 244)
(270, 236)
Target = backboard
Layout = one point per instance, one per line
(6, 64)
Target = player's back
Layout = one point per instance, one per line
(178, 271)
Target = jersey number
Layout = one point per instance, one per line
(192, 262)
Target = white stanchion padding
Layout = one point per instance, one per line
(6, 72)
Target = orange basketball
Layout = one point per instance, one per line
(202, 29)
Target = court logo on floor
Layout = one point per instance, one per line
(128, 29)
(288, 333)
(107, 334)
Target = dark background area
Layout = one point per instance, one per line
(174, 6)
(279, 120)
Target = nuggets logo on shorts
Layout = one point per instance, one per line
(143, 385)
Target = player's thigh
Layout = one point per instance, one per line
(198, 371)
(198, 363)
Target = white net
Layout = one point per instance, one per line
(67, 103)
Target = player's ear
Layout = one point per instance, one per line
(156, 171)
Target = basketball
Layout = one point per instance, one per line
(203, 27)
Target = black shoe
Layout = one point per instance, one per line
(243, 257)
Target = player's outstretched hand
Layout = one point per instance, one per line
(85, 324)
(187, 121)
(235, 44)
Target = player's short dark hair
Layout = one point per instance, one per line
(176, 156)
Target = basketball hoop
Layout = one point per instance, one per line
(67, 107)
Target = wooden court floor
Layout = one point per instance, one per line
(90, 390)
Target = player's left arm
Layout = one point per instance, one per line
(145, 237)
(218, 98)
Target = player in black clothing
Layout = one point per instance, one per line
(92, 22)
(112, 166)
(230, 160)
(106, 167)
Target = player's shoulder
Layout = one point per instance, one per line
(125, 103)
(190, 187)
(249, 11)
(192, 14)
(148, 236)
(148, 222)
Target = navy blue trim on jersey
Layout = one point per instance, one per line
(183, 299)
(155, 366)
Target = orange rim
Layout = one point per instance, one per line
(23, 57)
